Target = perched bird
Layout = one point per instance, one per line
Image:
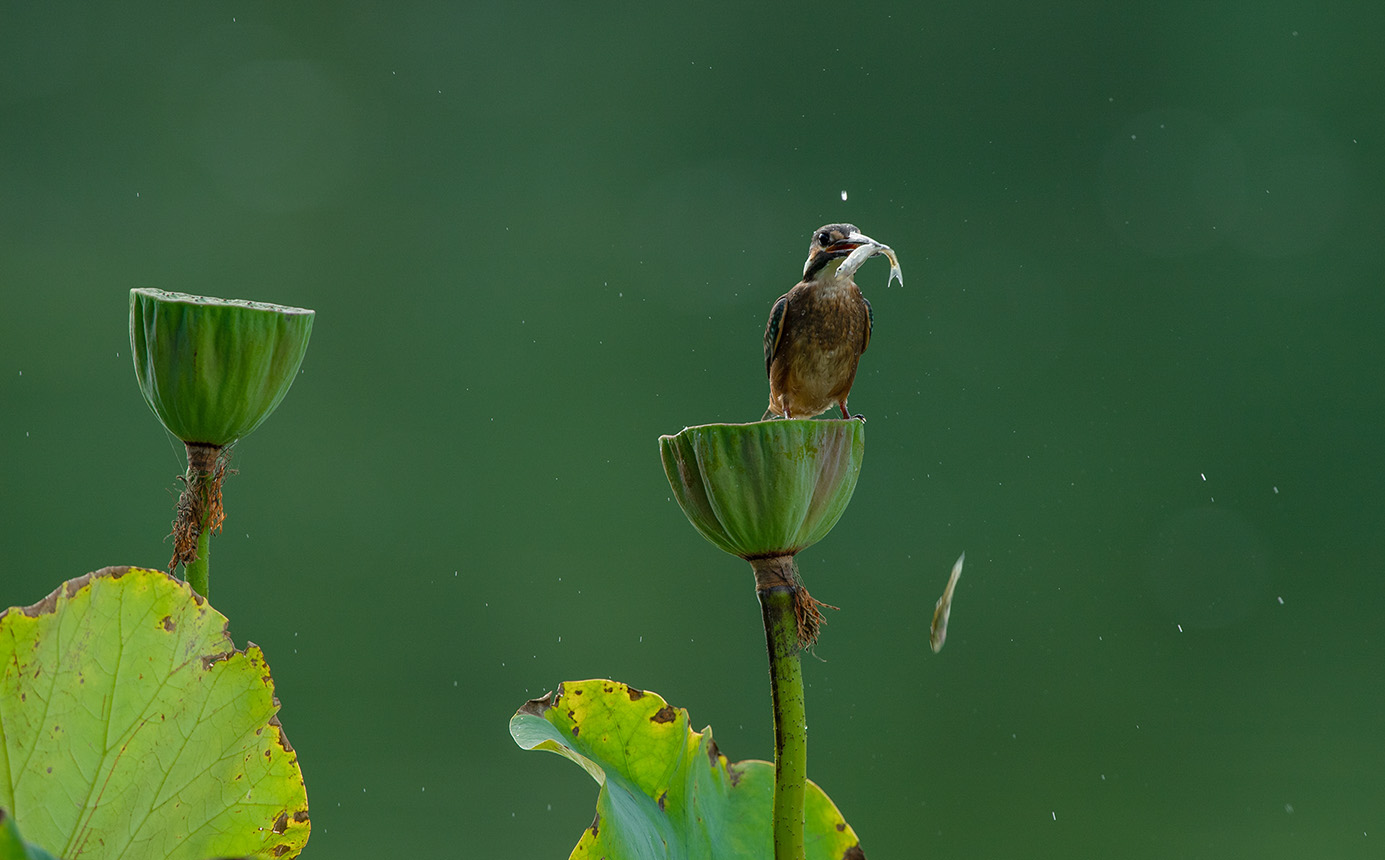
(818, 330)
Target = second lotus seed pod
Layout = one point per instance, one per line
(214, 369)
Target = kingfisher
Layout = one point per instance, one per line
(818, 330)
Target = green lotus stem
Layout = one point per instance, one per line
(195, 571)
(776, 586)
(199, 513)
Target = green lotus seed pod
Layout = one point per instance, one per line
(765, 489)
(214, 369)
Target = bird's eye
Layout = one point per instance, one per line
(824, 238)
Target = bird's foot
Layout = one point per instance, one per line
(859, 417)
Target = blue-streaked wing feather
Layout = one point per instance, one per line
(774, 329)
(870, 323)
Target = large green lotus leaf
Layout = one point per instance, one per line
(131, 727)
(667, 791)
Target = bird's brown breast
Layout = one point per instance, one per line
(824, 334)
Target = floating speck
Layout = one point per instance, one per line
(843, 194)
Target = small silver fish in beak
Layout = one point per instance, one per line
(937, 633)
(867, 249)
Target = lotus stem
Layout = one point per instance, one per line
(195, 571)
(778, 588)
(199, 513)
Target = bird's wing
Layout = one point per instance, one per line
(774, 329)
(870, 323)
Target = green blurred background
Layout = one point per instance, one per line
(1135, 373)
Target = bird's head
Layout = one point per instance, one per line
(830, 247)
(831, 244)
